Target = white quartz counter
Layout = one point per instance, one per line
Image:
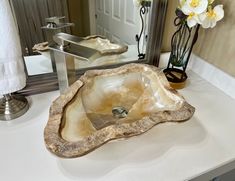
(167, 152)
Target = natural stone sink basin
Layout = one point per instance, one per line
(104, 105)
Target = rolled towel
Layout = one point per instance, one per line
(12, 73)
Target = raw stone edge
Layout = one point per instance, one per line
(62, 148)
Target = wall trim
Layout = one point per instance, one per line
(214, 75)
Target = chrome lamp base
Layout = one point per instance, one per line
(12, 106)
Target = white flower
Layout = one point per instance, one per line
(137, 3)
(182, 2)
(194, 6)
(211, 1)
(192, 20)
(209, 19)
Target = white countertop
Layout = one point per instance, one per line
(169, 151)
(38, 64)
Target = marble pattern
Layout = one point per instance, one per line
(65, 111)
(103, 45)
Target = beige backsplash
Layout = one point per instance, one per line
(217, 46)
(169, 25)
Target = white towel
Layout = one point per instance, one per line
(12, 74)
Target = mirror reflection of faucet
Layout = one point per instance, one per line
(55, 25)
(95, 42)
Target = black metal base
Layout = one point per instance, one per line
(175, 75)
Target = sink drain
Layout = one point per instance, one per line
(119, 112)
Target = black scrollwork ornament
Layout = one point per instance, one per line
(182, 43)
(144, 9)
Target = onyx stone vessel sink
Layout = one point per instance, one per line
(110, 104)
(103, 45)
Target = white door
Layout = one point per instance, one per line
(118, 20)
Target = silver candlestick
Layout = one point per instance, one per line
(12, 106)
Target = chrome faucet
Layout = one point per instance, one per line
(64, 52)
(60, 40)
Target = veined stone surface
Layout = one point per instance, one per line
(110, 104)
(103, 45)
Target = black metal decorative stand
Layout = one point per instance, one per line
(145, 5)
(182, 43)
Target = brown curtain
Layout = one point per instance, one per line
(31, 14)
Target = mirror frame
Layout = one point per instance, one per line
(42, 83)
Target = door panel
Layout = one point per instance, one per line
(129, 13)
(116, 39)
(118, 19)
(99, 5)
(116, 9)
(107, 7)
(107, 34)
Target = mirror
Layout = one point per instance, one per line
(117, 22)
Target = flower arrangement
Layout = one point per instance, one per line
(202, 12)
(139, 3)
(191, 15)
